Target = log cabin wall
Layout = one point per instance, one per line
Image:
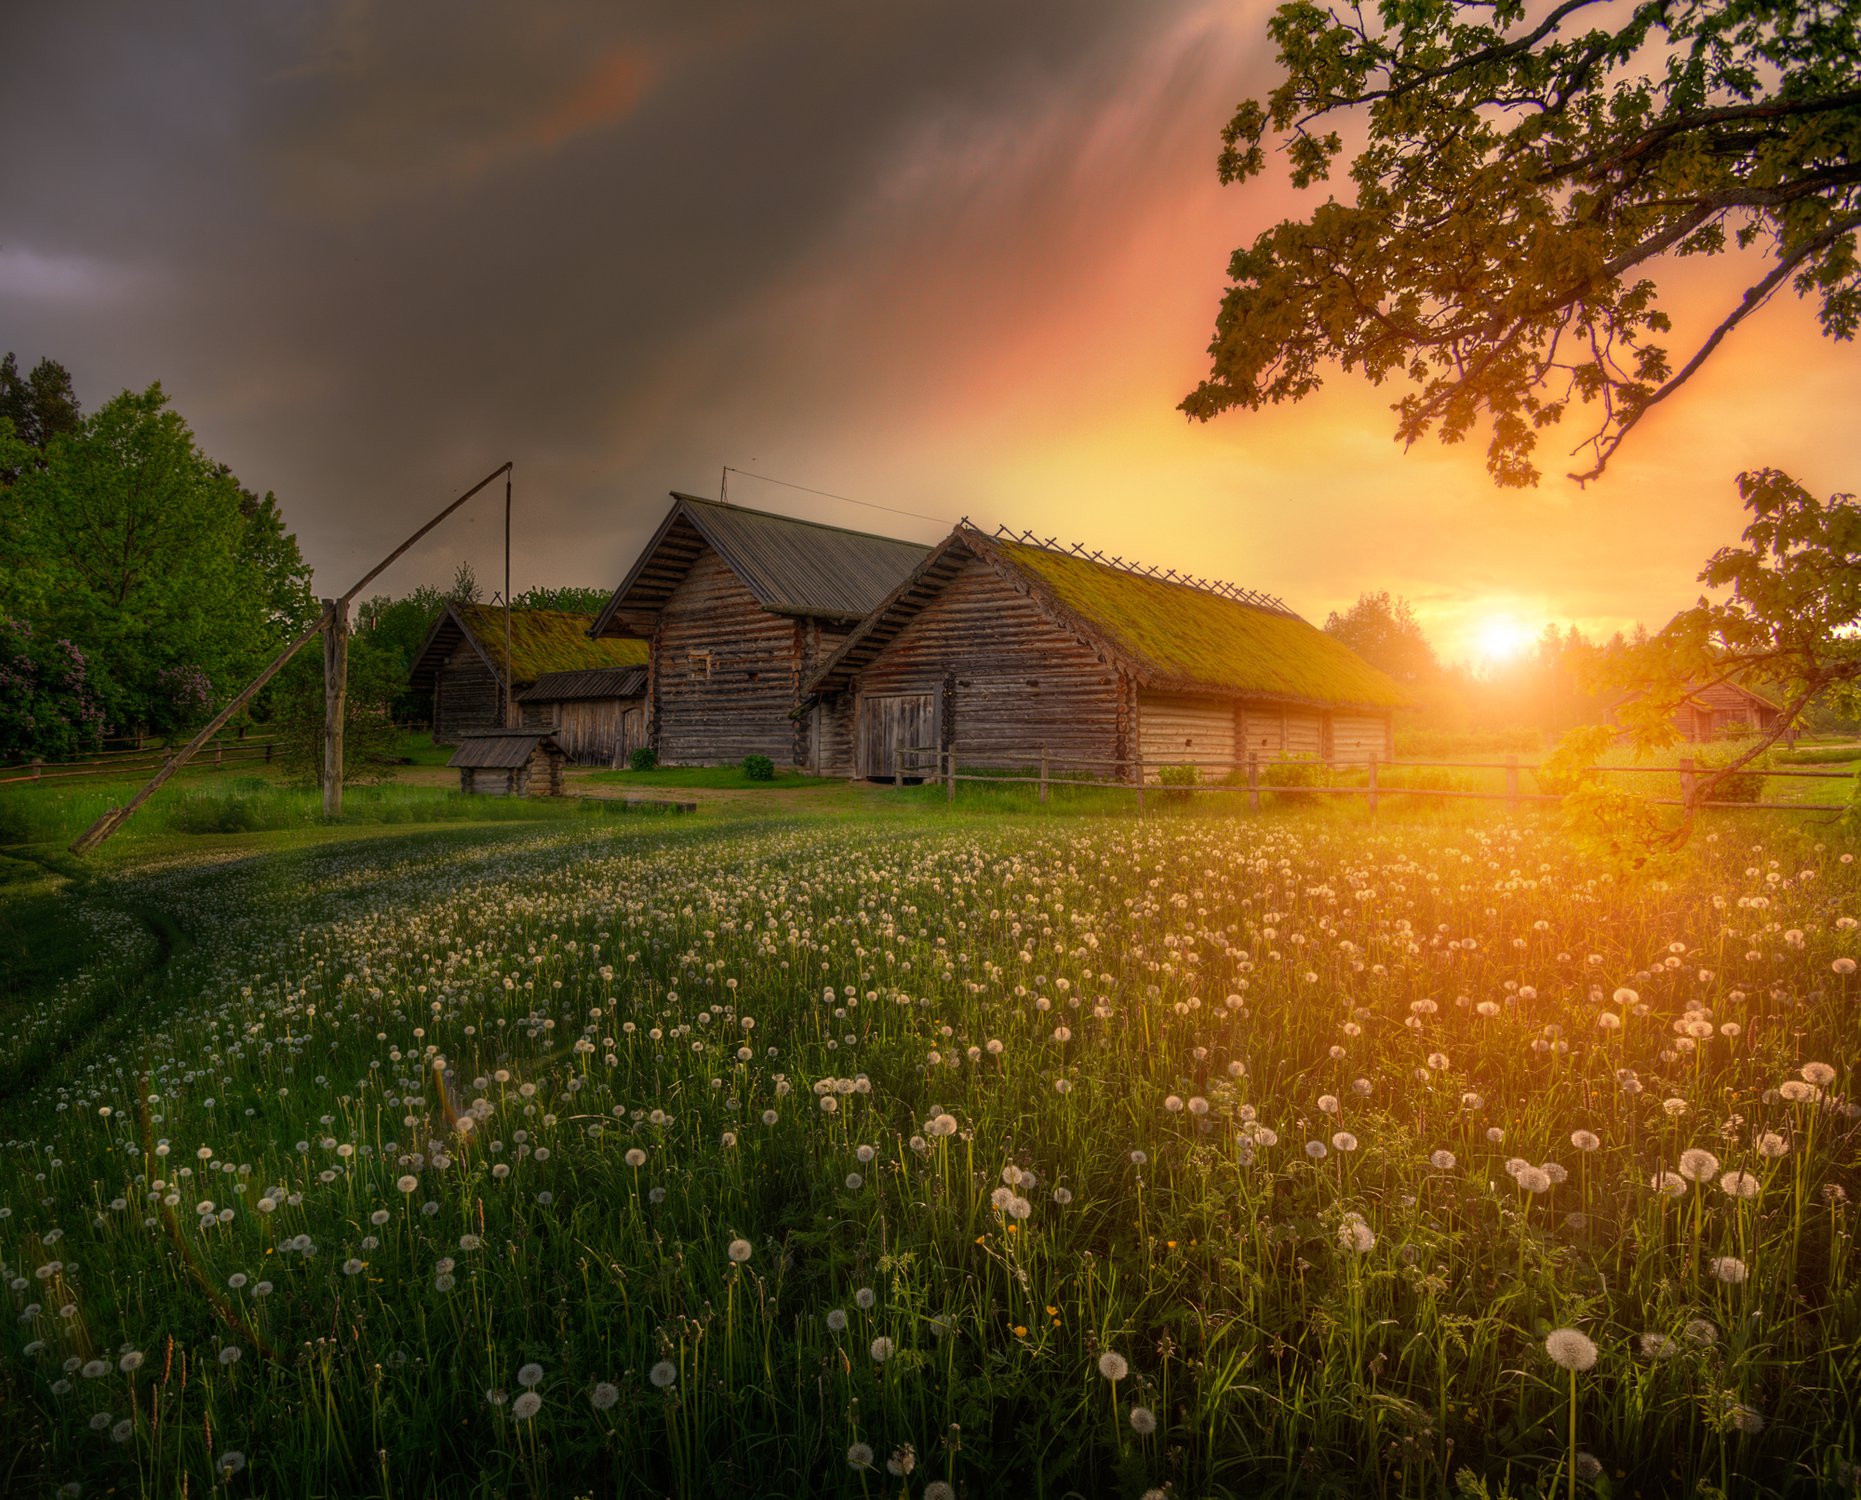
(725, 673)
(1008, 681)
(1178, 730)
(1355, 737)
(467, 697)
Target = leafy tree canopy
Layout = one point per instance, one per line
(1522, 172)
(132, 543)
(1385, 633)
(40, 405)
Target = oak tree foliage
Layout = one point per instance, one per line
(1519, 172)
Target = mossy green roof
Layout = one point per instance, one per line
(546, 640)
(1188, 637)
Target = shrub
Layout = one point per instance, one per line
(643, 759)
(1746, 785)
(1294, 777)
(758, 768)
(1175, 781)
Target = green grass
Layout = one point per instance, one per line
(50, 818)
(320, 1009)
(417, 748)
(730, 778)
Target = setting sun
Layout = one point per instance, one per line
(1501, 638)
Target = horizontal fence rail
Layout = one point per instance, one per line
(1139, 777)
(230, 752)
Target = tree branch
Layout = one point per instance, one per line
(1754, 298)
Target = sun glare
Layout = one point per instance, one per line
(1502, 638)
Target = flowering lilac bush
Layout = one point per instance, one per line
(49, 705)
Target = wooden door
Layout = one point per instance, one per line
(632, 735)
(898, 736)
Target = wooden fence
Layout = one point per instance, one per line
(137, 763)
(1249, 778)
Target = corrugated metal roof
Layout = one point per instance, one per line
(802, 567)
(499, 749)
(605, 682)
(792, 567)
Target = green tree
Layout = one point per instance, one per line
(40, 406)
(269, 553)
(370, 741)
(569, 599)
(1384, 632)
(1522, 172)
(136, 546)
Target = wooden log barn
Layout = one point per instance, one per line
(1008, 648)
(462, 664)
(510, 763)
(598, 716)
(741, 606)
(1721, 710)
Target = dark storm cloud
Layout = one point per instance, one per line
(373, 250)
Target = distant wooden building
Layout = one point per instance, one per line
(1004, 648)
(462, 662)
(740, 607)
(1725, 710)
(598, 716)
(510, 763)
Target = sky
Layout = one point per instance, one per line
(955, 259)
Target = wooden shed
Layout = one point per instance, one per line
(1719, 711)
(510, 763)
(740, 607)
(598, 716)
(1005, 647)
(462, 662)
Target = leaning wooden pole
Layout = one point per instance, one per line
(117, 816)
(335, 700)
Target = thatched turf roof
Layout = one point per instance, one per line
(541, 641)
(1189, 636)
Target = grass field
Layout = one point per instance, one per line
(841, 1144)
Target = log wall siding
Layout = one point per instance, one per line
(466, 696)
(1010, 681)
(725, 673)
(1183, 731)
(1357, 737)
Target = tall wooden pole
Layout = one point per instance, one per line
(510, 669)
(335, 700)
(117, 816)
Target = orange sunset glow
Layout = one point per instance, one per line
(989, 308)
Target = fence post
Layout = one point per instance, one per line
(949, 780)
(1140, 778)
(1373, 786)
(1512, 782)
(1253, 783)
(219, 754)
(1043, 775)
(38, 767)
(268, 745)
(1689, 785)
